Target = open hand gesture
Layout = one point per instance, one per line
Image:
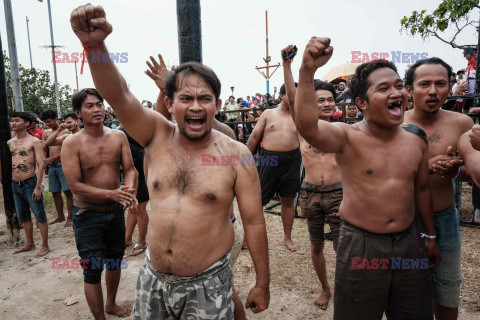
(158, 71)
(90, 24)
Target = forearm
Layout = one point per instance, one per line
(52, 138)
(87, 191)
(39, 174)
(253, 142)
(108, 81)
(306, 111)
(424, 207)
(256, 237)
(160, 106)
(131, 178)
(289, 86)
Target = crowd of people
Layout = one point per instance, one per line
(392, 212)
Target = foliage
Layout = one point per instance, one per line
(450, 13)
(38, 90)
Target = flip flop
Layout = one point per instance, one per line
(137, 247)
(129, 245)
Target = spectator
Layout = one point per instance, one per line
(471, 56)
(33, 128)
(231, 106)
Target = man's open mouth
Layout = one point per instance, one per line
(432, 102)
(396, 108)
(195, 122)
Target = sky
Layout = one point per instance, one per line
(233, 36)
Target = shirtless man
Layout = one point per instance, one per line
(428, 83)
(56, 179)
(68, 127)
(321, 192)
(280, 139)
(92, 159)
(384, 170)
(158, 72)
(27, 155)
(190, 234)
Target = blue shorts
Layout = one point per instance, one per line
(99, 235)
(447, 277)
(22, 195)
(56, 178)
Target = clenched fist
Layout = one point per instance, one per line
(90, 24)
(317, 53)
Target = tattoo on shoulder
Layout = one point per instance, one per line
(416, 130)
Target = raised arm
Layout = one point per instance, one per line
(288, 54)
(91, 26)
(424, 208)
(73, 174)
(327, 137)
(257, 132)
(247, 190)
(57, 136)
(158, 73)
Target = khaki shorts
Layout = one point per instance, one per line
(320, 204)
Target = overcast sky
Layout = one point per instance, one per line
(233, 34)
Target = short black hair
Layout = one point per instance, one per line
(22, 115)
(283, 91)
(189, 68)
(70, 115)
(231, 97)
(80, 96)
(359, 83)
(48, 114)
(322, 85)
(410, 73)
(33, 117)
(239, 100)
(459, 72)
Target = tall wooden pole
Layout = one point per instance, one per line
(267, 75)
(189, 30)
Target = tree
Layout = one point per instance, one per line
(450, 13)
(38, 90)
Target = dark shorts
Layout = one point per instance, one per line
(377, 273)
(142, 193)
(56, 178)
(22, 196)
(99, 234)
(319, 204)
(279, 172)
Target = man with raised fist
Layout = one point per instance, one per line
(186, 273)
(383, 187)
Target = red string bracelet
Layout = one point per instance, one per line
(85, 53)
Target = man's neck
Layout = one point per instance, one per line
(379, 131)
(325, 119)
(425, 118)
(94, 130)
(192, 145)
(54, 127)
(21, 134)
(77, 129)
(284, 107)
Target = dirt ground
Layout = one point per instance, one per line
(31, 289)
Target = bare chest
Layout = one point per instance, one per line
(280, 123)
(95, 155)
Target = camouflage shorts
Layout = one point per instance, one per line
(207, 295)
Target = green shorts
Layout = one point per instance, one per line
(207, 295)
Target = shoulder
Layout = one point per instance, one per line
(458, 120)
(72, 140)
(35, 142)
(416, 130)
(223, 128)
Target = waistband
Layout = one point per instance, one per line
(85, 206)
(56, 163)
(26, 181)
(380, 235)
(449, 210)
(281, 153)
(321, 188)
(211, 271)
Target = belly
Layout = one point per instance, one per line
(280, 140)
(185, 240)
